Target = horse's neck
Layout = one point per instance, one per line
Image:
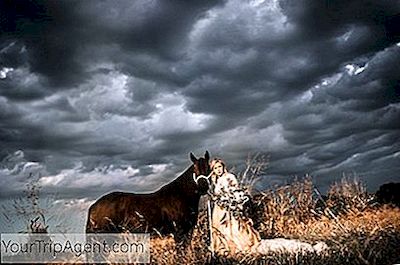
(184, 183)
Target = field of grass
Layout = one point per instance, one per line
(356, 230)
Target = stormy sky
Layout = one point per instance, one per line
(103, 95)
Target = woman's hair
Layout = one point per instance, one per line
(218, 160)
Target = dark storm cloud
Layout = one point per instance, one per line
(23, 86)
(156, 26)
(349, 106)
(49, 31)
(109, 95)
(350, 123)
(58, 43)
(12, 54)
(324, 19)
(57, 34)
(267, 64)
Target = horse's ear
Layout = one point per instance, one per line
(193, 158)
(207, 156)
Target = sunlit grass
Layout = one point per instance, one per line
(355, 230)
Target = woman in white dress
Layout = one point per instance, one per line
(232, 232)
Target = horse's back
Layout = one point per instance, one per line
(119, 211)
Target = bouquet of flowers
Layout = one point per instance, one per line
(233, 199)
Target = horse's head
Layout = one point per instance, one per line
(201, 172)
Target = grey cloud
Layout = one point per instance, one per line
(319, 19)
(21, 85)
(12, 54)
(56, 35)
(145, 83)
(156, 26)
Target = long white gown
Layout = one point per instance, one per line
(231, 234)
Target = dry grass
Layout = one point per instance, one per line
(356, 231)
(164, 251)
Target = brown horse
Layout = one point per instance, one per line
(173, 209)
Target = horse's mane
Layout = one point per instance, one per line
(182, 182)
